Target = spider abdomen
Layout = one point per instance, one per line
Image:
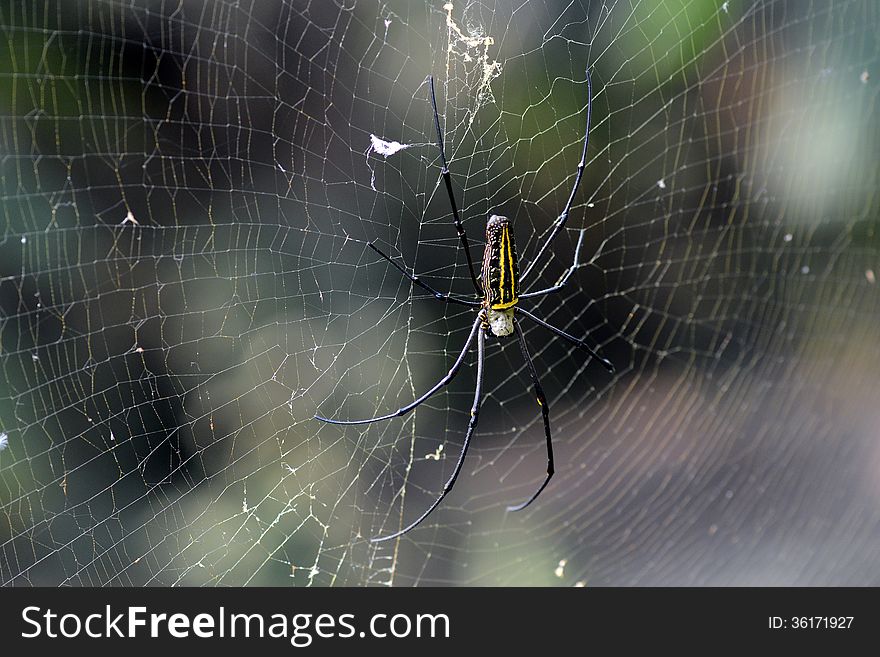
(500, 266)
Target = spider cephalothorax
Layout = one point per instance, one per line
(495, 302)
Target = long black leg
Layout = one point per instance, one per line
(565, 276)
(472, 424)
(442, 382)
(541, 293)
(575, 341)
(545, 413)
(415, 279)
(448, 180)
(560, 221)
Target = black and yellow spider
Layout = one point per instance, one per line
(498, 296)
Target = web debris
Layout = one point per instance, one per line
(385, 149)
(478, 42)
(129, 219)
(560, 568)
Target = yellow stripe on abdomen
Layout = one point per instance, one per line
(510, 265)
(501, 266)
(507, 276)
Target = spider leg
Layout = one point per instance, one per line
(565, 275)
(575, 341)
(541, 293)
(545, 414)
(560, 221)
(472, 424)
(415, 279)
(447, 179)
(442, 382)
(550, 290)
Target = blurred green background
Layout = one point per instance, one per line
(187, 191)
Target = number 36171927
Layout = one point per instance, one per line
(810, 622)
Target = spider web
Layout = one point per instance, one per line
(188, 189)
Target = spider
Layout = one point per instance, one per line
(498, 294)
